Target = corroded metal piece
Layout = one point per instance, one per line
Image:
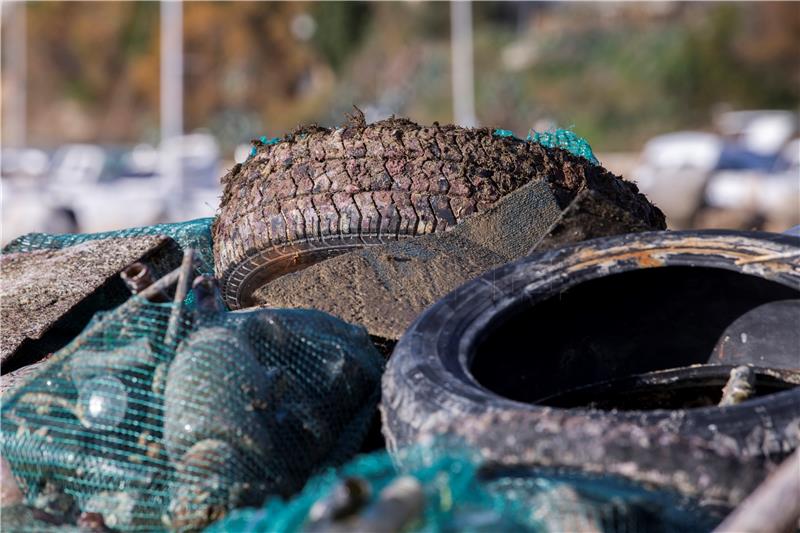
(740, 386)
(137, 277)
(183, 283)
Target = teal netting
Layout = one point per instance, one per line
(443, 495)
(163, 416)
(436, 492)
(264, 140)
(192, 234)
(565, 139)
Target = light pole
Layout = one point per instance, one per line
(463, 76)
(171, 98)
(15, 62)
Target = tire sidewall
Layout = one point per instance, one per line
(428, 378)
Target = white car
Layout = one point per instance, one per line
(103, 191)
(744, 169)
(673, 170)
(774, 195)
(91, 188)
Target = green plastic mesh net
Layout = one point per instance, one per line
(168, 415)
(439, 491)
(565, 139)
(194, 234)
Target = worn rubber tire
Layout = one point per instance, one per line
(321, 192)
(429, 387)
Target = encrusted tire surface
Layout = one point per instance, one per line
(443, 374)
(322, 192)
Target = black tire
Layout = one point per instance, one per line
(320, 192)
(464, 369)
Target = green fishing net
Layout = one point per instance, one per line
(565, 139)
(423, 490)
(168, 415)
(194, 234)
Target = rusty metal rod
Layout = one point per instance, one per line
(181, 290)
(161, 284)
(774, 507)
(138, 277)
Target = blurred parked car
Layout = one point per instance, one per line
(673, 172)
(103, 191)
(89, 188)
(750, 171)
(772, 194)
(23, 163)
(763, 132)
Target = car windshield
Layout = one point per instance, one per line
(735, 157)
(121, 163)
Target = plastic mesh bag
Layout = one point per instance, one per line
(194, 234)
(446, 483)
(158, 416)
(565, 139)
(437, 491)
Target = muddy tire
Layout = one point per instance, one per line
(478, 363)
(321, 192)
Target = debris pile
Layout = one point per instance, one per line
(561, 362)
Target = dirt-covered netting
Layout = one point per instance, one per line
(165, 416)
(448, 490)
(194, 234)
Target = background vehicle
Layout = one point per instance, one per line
(771, 194)
(90, 188)
(745, 176)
